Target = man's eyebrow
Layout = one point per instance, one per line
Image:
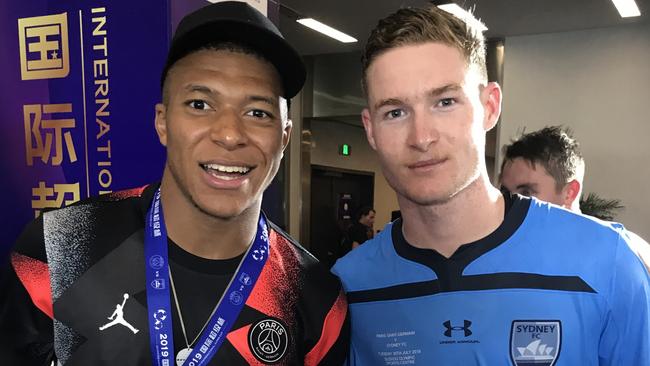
(431, 93)
(389, 101)
(260, 98)
(200, 88)
(527, 185)
(444, 89)
(253, 98)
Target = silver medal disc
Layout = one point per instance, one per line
(182, 355)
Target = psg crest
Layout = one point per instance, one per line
(535, 342)
(268, 340)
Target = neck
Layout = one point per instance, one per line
(470, 215)
(200, 233)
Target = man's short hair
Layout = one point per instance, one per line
(412, 26)
(364, 211)
(552, 147)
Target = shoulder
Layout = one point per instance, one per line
(294, 260)
(135, 198)
(635, 243)
(363, 255)
(546, 219)
(93, 219)
(566, 236)
(288, 246)
(111, 207)
(376, 264)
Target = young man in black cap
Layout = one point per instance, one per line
(188, 272)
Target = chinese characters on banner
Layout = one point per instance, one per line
(80, 83)
(45, 54)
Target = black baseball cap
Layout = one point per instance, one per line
(240, 23)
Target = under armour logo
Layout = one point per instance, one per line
(118, 317)
(464, 328)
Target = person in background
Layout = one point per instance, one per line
(356, 233)
(362, 229)
(470, 275)
(549, 165)
(189, 270)
(546, 164)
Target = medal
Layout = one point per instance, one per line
(182, 356)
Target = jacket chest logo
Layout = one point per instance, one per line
(268, 340)
(118, 317)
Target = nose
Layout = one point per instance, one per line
(228, 130)
(423, 132)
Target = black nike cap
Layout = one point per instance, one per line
(240, 23)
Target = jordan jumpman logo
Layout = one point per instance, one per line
(118, 317)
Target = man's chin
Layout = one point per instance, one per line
(429, 199)
(222, 213)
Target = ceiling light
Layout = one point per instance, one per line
(326, 30)
(464, 15)
(627, 8)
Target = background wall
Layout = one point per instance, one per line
(326, 137)
(597, 82)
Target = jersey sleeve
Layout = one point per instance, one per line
(26, 326)
(626, 337)
(640, 247)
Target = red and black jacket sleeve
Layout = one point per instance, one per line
(26, 325)
(327, 324)
(320, 307)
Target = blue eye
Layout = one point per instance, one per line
(395, 113)
(447, 102)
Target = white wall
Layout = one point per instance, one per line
(337, 85)
(597, 82)
(327, 136)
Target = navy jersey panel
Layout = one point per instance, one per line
(548, 287)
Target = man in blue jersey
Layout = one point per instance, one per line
(470, 276)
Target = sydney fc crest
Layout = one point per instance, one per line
(268, 339)
(535, 342)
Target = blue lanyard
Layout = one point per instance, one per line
(158, 293)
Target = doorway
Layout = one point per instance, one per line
(336, 196)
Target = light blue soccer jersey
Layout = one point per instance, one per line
(548, 287)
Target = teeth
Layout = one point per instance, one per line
(227, 168)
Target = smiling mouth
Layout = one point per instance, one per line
(226, 172)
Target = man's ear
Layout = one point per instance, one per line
(367, 125)
(161, 123)
(286, 134)
(571, 194)
(491, 101)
